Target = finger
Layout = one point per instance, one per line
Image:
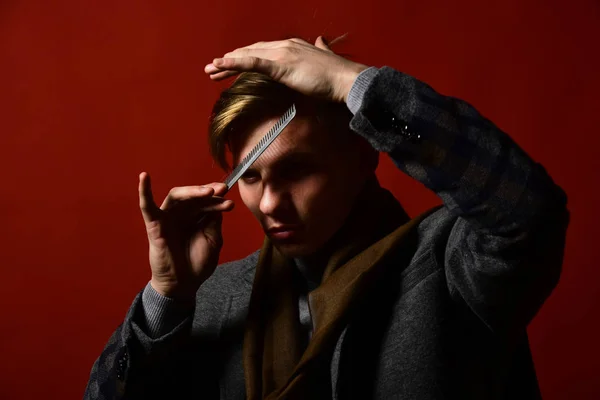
(183, 193)
(219, 187)
(265, 45)
(194, 212)
(322, 44)
(245, 64)
(222, 206)
(223, 75)
(149, 210)
(274, 44)
(268, 54)
(200, 205)
(211, 69)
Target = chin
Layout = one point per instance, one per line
(295, 250)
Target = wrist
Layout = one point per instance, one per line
(347, 80)
(163, 314)
(177, 293)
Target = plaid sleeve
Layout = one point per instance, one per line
(134, 365)
(110, 371)
(106, 381)
(443, 142)
(503, 246)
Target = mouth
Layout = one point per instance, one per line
(283, 232)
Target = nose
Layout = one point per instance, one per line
(272, 201)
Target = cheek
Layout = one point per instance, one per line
(335, 194)
(313, 195)
(250, 198)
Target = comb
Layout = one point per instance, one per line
(264, 143)
(256, 151)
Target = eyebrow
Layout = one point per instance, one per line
(287, 159)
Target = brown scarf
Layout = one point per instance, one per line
(276, 363)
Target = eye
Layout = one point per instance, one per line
(250, 177)
(296, 171)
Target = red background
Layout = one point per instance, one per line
(92, 93)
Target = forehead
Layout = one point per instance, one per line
(302, 135)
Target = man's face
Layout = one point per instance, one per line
(303, 186)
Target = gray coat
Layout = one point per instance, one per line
(451, 325)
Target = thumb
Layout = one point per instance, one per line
(321, 43)
(149, 210)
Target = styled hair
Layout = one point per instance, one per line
(253, 98)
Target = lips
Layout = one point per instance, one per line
(283, 232)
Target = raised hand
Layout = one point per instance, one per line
(313, 70)
(182, 252)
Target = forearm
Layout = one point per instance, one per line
(478, 171)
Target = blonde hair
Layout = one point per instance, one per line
(254, 97)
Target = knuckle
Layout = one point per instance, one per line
(291, 50)
(154, 230)
(177, 193)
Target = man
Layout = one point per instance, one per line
(347, 298)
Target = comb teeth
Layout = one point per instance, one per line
(261, 146)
